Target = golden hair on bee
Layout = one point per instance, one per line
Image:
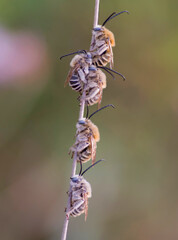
(108, 34)
(87, 137)
(102, 42)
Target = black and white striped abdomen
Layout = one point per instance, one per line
(93, 96)
(78, 211)
(85, 155)
(102, 60)
(75, 83)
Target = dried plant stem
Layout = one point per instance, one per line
(96, 15)
(81, 115)
(74, 166)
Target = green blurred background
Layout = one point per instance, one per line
(135, 195)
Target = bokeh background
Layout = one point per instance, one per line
(135, 193)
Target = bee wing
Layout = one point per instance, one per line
(93, 149)
(112, 60)
(100, 95)
(86, 205)
(69, 76)
(82, 145)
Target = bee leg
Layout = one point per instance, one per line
(80, 202)
(93, 93)
(67, 215)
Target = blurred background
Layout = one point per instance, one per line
(135, 195)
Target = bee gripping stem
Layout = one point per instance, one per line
(81, 115)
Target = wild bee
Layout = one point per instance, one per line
(79, 64)
(83, 74)
(80, 191)
(96, 82)
(87, 136)
(102, 42)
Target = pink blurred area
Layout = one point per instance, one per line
(23, 56)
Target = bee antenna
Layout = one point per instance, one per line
(111, 16)
(107, 19)
(81, 51)
(108, 72)
(80, 168)
(87, 111)
(91, 166)
(109, 69)
(109, 105)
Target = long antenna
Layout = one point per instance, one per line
(91, 166)
(87, 111)
(107, 19)
(111, 16)
(81, 51)
(119, 14)
(80, 168)
(109, 105)
(107, 72)
(109, 69)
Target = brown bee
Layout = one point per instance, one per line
(80, 191)
(102, 42)
(79, 64)
(96, 82)
(83, 74)
(87, 136)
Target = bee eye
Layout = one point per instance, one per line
(82, 121)
(89, 55)
(74, 179)
(92, 68)
(97, 29)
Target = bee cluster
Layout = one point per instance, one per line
(86, 76)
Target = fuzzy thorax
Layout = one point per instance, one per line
(94, 129)
(75, 60)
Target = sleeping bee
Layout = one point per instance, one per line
(96, 82)
(87, 136)
(84, 75)
(79, 69)
(80, 191)
(102, 42)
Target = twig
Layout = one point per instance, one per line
(81, 115)
(97, 3)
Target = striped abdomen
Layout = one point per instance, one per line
(85, 155)
(78, 211)
(75, 83)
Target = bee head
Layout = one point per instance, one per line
(97, 28)
(92, 68)
(89, 55)
(76, 179)
(82, 121)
